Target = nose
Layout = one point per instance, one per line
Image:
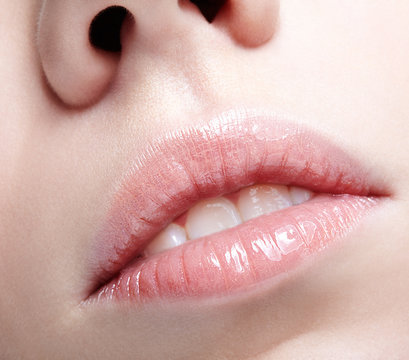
(251, 23)
(79, 41)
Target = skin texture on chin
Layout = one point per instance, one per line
(337, 67)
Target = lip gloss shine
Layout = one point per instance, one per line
(237, 149)
(237, 258)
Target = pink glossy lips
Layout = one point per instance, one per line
(233, 151)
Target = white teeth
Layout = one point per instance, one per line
(214, 215)
(299, 195)
(211, 216)
(258, 200)
(173, 235)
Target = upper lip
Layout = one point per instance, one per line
(236, 149)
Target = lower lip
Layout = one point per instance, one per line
(237, 259)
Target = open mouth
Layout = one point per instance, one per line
(217, 209)
(215, 215)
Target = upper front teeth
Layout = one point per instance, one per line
(172, 236)
(258, 200)
(211, 216)
(299, 195)
(214, 215)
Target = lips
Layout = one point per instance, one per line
(234, 151)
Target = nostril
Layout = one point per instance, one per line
(80, 49)
(105, 29)
(209, 8)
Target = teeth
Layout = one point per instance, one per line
(259, 200)
(299, 195)
(211, 216)
(173, 235)
(214, 215)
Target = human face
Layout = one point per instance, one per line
(87, 137)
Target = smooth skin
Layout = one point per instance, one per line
(72, 117)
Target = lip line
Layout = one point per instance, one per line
(238, 122)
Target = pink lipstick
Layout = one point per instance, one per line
(235, 150)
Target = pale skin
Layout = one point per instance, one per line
(340, 67)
